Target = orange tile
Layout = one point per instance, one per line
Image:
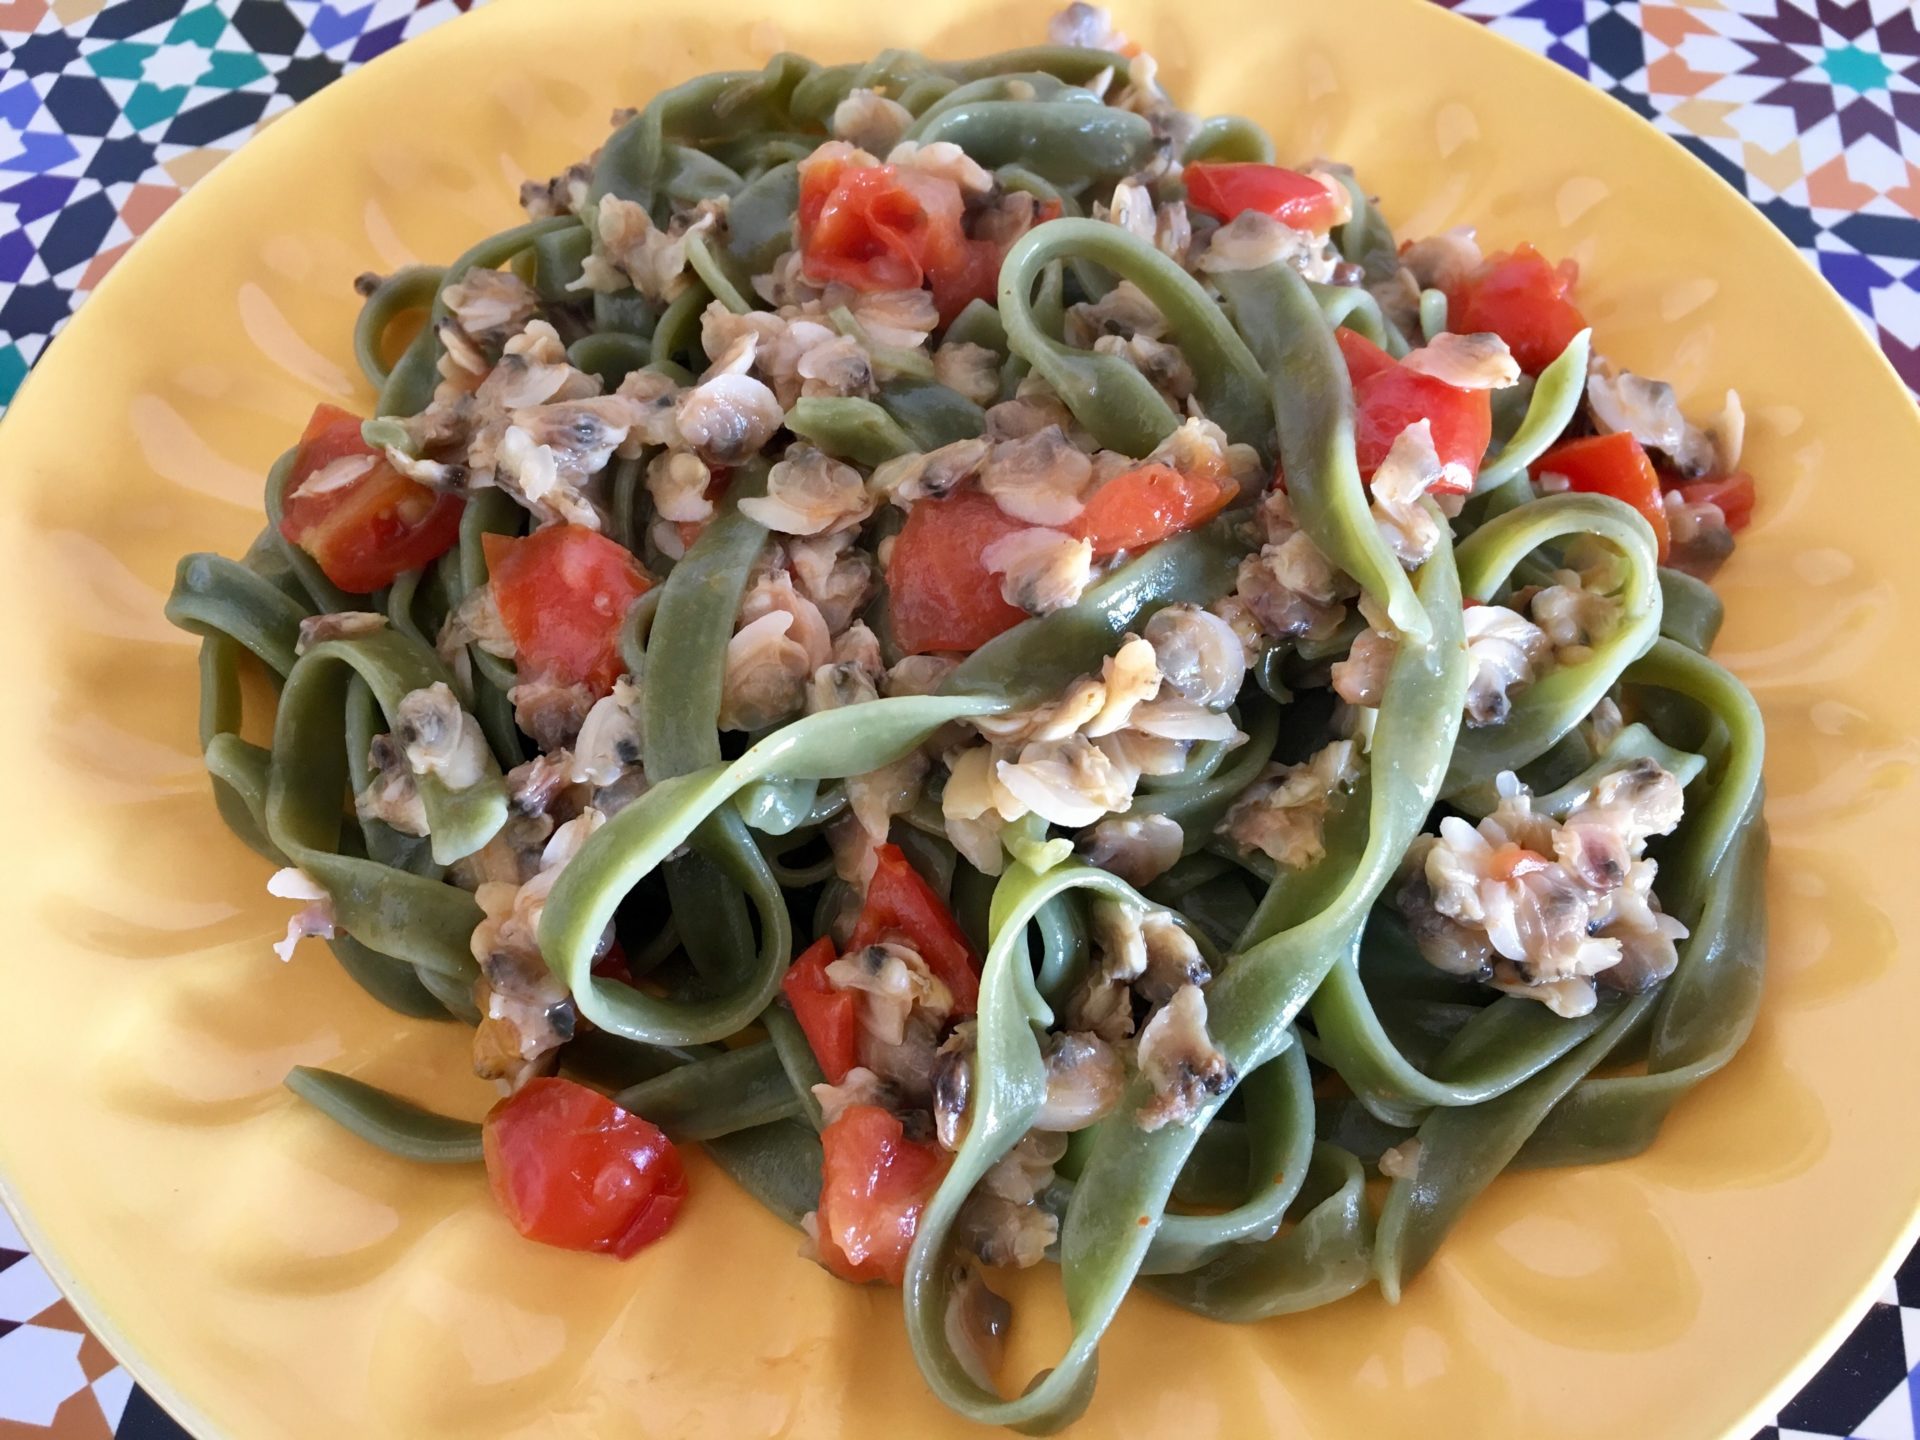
(21, 15)
(1833, 188)
(60, 1316)
(78, 1418)
(1907, 196)
(1670, 25)
(146, 204)
(98, 267)
(1670, 75)
(95, 1359)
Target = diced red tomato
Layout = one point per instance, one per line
(572, 1169)
(902, 906)
(942, 595)
(1522, 298)
(1363, 357)
(1611, 465)
(882, 227)
(1388, 397)
(367, 531)
(613, 964)
(563, 593)
(1232, 188)
(1734, 495)
(874, 1182)
(830, 1017)
(1134, 510)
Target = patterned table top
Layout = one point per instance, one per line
(111, 109)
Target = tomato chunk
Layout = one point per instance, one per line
(1388, 397)
(1232, 188)
(572, 1169)
(885, 227)
(364, 523)
(1364, 358)
(1522, 298)
(1136, 509)
(942, 595)
(1734, 494)
(902, 906)
(874, 1182)
(1611, 465)
(563, 593)
(829, 1017)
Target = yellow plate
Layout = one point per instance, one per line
(270, 1277)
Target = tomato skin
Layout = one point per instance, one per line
(1388, 397)
(902, 906)
(1136, 509)
(874, 1182)
(830, 1018)
(1611, 465)
(884, 227)
(367, 532)
(1232, 188)
(942, 595)
(572, 1169)
(1734, 494)
(1364, 358)
(563, 593)
(1522, 298)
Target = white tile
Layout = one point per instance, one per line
(39, 1372)
(112, 1390)
(25, 1290)
(1892, 1420)
(10, 1238)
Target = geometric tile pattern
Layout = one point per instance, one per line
(110, 109)
(1809, 108)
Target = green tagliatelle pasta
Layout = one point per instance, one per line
(886, 531)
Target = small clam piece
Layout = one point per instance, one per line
(1198, 654)
(1025, 1171)
(439, 738)
(1283, 814)
(976, 1323)
(549, 710)
(609, 740)
(892, 981)
(339, 625)
(1173, 959)
(860, 1087)
(973, 370)
(1402, 1161)
(1443, 261)
(953, 1085)
(1084, 1081)
(1504, 651)
(728, 419)
(1466, 362)
(391, 796)
(1137, 848)
(810, 493)
(315, 917)
(870, 120)
(1180, 1061)
(1003, 1232)
(1070, 782)
(1039, 479)
(766, 674)
(1040, 570)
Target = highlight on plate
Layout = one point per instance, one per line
(1023, 674)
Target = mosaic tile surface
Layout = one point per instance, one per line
(110, 109)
